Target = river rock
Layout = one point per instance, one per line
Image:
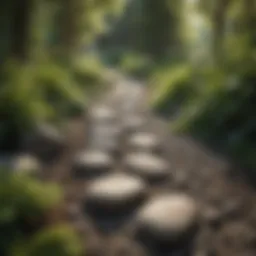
(115, 194)
(107, 143)
(102, 114)
(21, 164)
(91, 163)
(143, 141)
(25, 164)
(170, 219)
(148, 166)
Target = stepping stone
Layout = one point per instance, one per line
(148, 166)
(103, 114)
(21, 164)
(114, 194)
(106, 138)
(171, 219)
(143, 141)
(25, 164)
(91, 163)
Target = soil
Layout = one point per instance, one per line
(226, 203)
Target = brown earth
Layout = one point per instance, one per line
(227, 224)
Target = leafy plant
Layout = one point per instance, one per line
(58, 240)
(171, 86)
(24, 203)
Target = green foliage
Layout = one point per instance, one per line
(216, 107)
(54, 241)
(44, 92)
(89, 73)
(171, 86)
(36, 91)
(24, 202)
(59, 89)
(135, 64)
(214, 101)
(26, 197)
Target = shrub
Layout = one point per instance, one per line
(24, 202)
(52, 241)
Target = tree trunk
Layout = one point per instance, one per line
(22, 11)
(160, 28)
(219, 22)
(68, 28)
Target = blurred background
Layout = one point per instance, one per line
(197, 58)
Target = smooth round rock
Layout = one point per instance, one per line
(115, 194)
(168, 218)
(105, 133)
(148, 166)
(144, 142)
(102, 113)
(25, 164)
(105, 139)
(92, 163)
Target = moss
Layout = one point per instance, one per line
(24, 204)
(58, 240)
(171, 86)
(28, 197)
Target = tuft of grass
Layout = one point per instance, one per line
(58, 240)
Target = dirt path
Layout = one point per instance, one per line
(133, 189)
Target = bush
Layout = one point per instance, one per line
(135, 64)
(52, 241)
(24, 202)
(216, 107)
(46, 92)
(89, 73)
(171, 87)
(28, 197)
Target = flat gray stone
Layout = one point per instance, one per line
(105, 138)
(21, 164)
(91, 163)
(148, 166)
(102, 113)
(25, 164)
(143, 141)
(115, 193)
(168, 218)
